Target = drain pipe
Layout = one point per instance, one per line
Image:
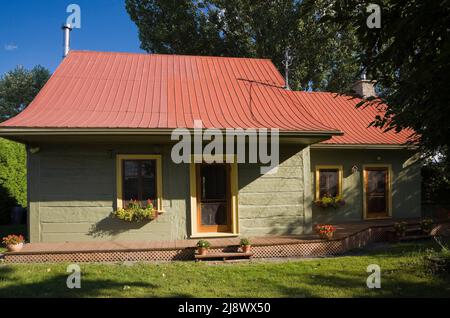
(66, 29)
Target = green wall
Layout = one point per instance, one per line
(405, 182)
(72, 193)
(274, 203)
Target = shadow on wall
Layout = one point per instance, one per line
(406, 199)
(110, 226)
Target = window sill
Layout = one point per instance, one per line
(213, 234)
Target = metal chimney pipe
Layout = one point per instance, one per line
(66, 29)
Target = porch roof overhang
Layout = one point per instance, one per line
(135, 135)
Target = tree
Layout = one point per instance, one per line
(18, 88)
(13, 177)
(409, 56)
(325, 56)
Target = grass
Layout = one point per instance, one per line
(403, 275)
(6, 230)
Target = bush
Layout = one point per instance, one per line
(437, 262)
(13, 178)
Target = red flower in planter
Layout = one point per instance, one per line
(324, 229)
(13, 239)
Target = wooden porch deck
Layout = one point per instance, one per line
(347, 236)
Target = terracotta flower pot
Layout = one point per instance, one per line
(328, 235)
(202, 251)
(14, 247)
(246, 248)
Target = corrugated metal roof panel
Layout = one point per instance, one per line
(340, 111)
(123, 90)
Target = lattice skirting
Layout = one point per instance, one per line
(301, 249)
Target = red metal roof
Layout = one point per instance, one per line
(123, 90)
(340, 111)
(127, 90)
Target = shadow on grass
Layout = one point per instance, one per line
(343, 284)
(55, 286)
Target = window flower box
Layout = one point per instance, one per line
(135, 212)
(330, 202)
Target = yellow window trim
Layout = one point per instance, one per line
(234, 199)
(120, 158)
(389, 185)
(340, 176)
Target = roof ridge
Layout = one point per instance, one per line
(175, 55)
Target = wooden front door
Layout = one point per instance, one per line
(377, 192)
(213, 197)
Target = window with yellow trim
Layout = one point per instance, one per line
(328, 181)
(139, 178)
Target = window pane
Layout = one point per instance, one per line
(148, 169)
(139, 180)
(130, 180)
(328, 182)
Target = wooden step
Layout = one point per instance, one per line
(223, 256)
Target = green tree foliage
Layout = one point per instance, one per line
(18, 88)
(409, 56)
(436, 181)
(13, 177)
(325, 56)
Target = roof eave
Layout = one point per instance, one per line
(365, 146)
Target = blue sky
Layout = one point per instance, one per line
(30, 31)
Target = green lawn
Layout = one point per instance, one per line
(402, 268)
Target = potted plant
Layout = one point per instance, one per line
(135, 212)
(325, 230)
(202, 247)
(400, 228)
(328, 201)
(245, 245)
(426, 225)
(13, 243)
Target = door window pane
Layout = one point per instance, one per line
(376, 191)
(214, 213)
(213, 182)
(213, 190)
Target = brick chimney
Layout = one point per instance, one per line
(364, 88)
